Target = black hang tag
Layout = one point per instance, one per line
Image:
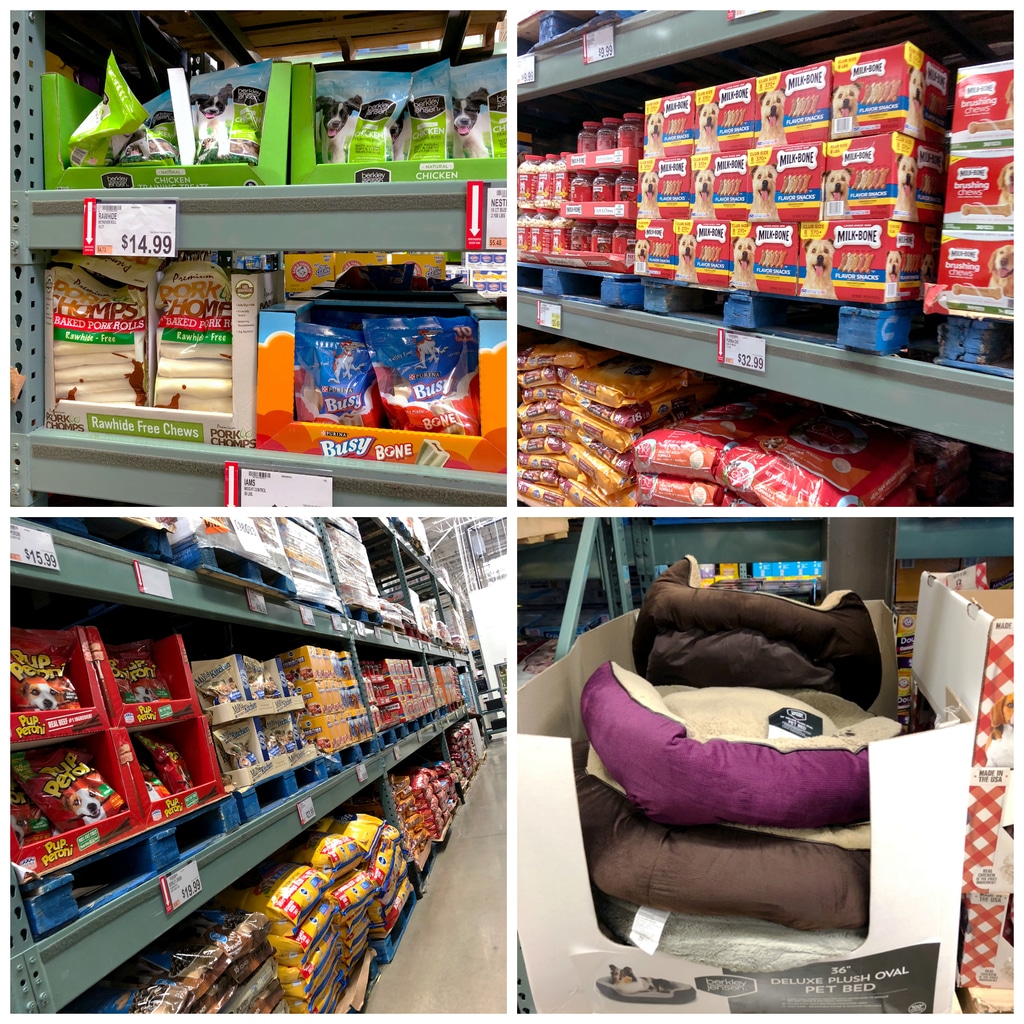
(788, 722)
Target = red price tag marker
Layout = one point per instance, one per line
(475, 195)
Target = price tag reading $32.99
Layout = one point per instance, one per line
(738, 348)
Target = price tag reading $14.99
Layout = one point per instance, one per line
(130, 229)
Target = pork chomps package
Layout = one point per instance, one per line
(228, 107)
(39, 670)
(793, 106)
(425, 132)
(479, 109)
(334, 377)
(156, 142)
(97, 314)
(356, 112)
(892, 89)
(194, 338)
(100, 138)
(426, 369)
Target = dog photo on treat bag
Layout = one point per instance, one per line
(228, 111)
(426, 370)
(479, 109)
(355, 112)
(39, 664)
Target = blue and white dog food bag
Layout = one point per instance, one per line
(334, 377)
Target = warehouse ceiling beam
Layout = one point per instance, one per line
(228, 35)
(454, 36)
(132, 23)
(959, 37)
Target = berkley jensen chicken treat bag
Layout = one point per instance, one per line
(39, 660)
(228, 108)
(156, 142)
(100, 138)
(425, 132)
(64, 787)
(427, 372)
(479, 109)
(334, 377)
(356, 113)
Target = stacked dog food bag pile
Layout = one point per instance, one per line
(680, 784)
(217, 960)
(463, 751)
(582, 411)
(582, 206)
(824, 181)
(350, 565)
(446, 685)
(976, 260)
(433, 789)
(411, 820)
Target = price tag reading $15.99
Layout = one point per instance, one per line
(33, 547)
(130, 229)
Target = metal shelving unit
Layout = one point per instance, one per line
(47, 974)
(973, 407)
(396, 217)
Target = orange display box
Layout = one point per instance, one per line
(278, 430)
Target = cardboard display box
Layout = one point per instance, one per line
(975, 275)
(65, 106)
(306, 171)
(666, 187)
(910, 952)
(704, 252)
(794, 106)
(766, 257)
(670, 126)
(979, 193)
(278, 430)
(983, 107)
(786, 181)
(237, 430)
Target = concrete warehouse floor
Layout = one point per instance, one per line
(452, 956)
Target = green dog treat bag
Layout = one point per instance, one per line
(99, 139)
(429, 114)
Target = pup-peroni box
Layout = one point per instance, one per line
(666, 187)
(983, 107)
(884, 177)
(765, 257)
(670, 125)
(892, 89)
(704, 252)
(863, 261)
(794, 106)
(786, 182)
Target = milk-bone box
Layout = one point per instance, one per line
(794, 106)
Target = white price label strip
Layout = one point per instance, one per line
(337, 623)
(307, 615)
(130, 229)
(307, 812)
(599, 44)
(269, 490)
(153, 581)
(361, 772)
(647, 928)
(33, 547)
(496, 219)
(257, 602)
(398, 753)
(248, 536)
(526, 69)
(737, 348)
(180, 886)
(549, 314)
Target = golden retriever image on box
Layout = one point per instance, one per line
(835, 188)
(915, 105)
(686, 269)
(1000, 284)
(743, 264)
(703, 194)
(1004, 208)
(707, 124)
(905, 207)
(655, 142)
(649, 195)
(893, 265)
(642, 251)
(818, 256)
(763, 206)
(845, 99)
(772, 131)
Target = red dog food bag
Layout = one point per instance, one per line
(426, 370)
(794, 106)
(983, 107)
(169, 764)
(64, 787)
(893, 89)
(136, 673)
(29, 823)
(39, 662)
(661, 491)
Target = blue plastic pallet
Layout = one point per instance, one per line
(143, 541)
(234, 569)
(50, 904)
(342, 760)
(387, 947)
(269, 794)
(598, 287)
(365, 615)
